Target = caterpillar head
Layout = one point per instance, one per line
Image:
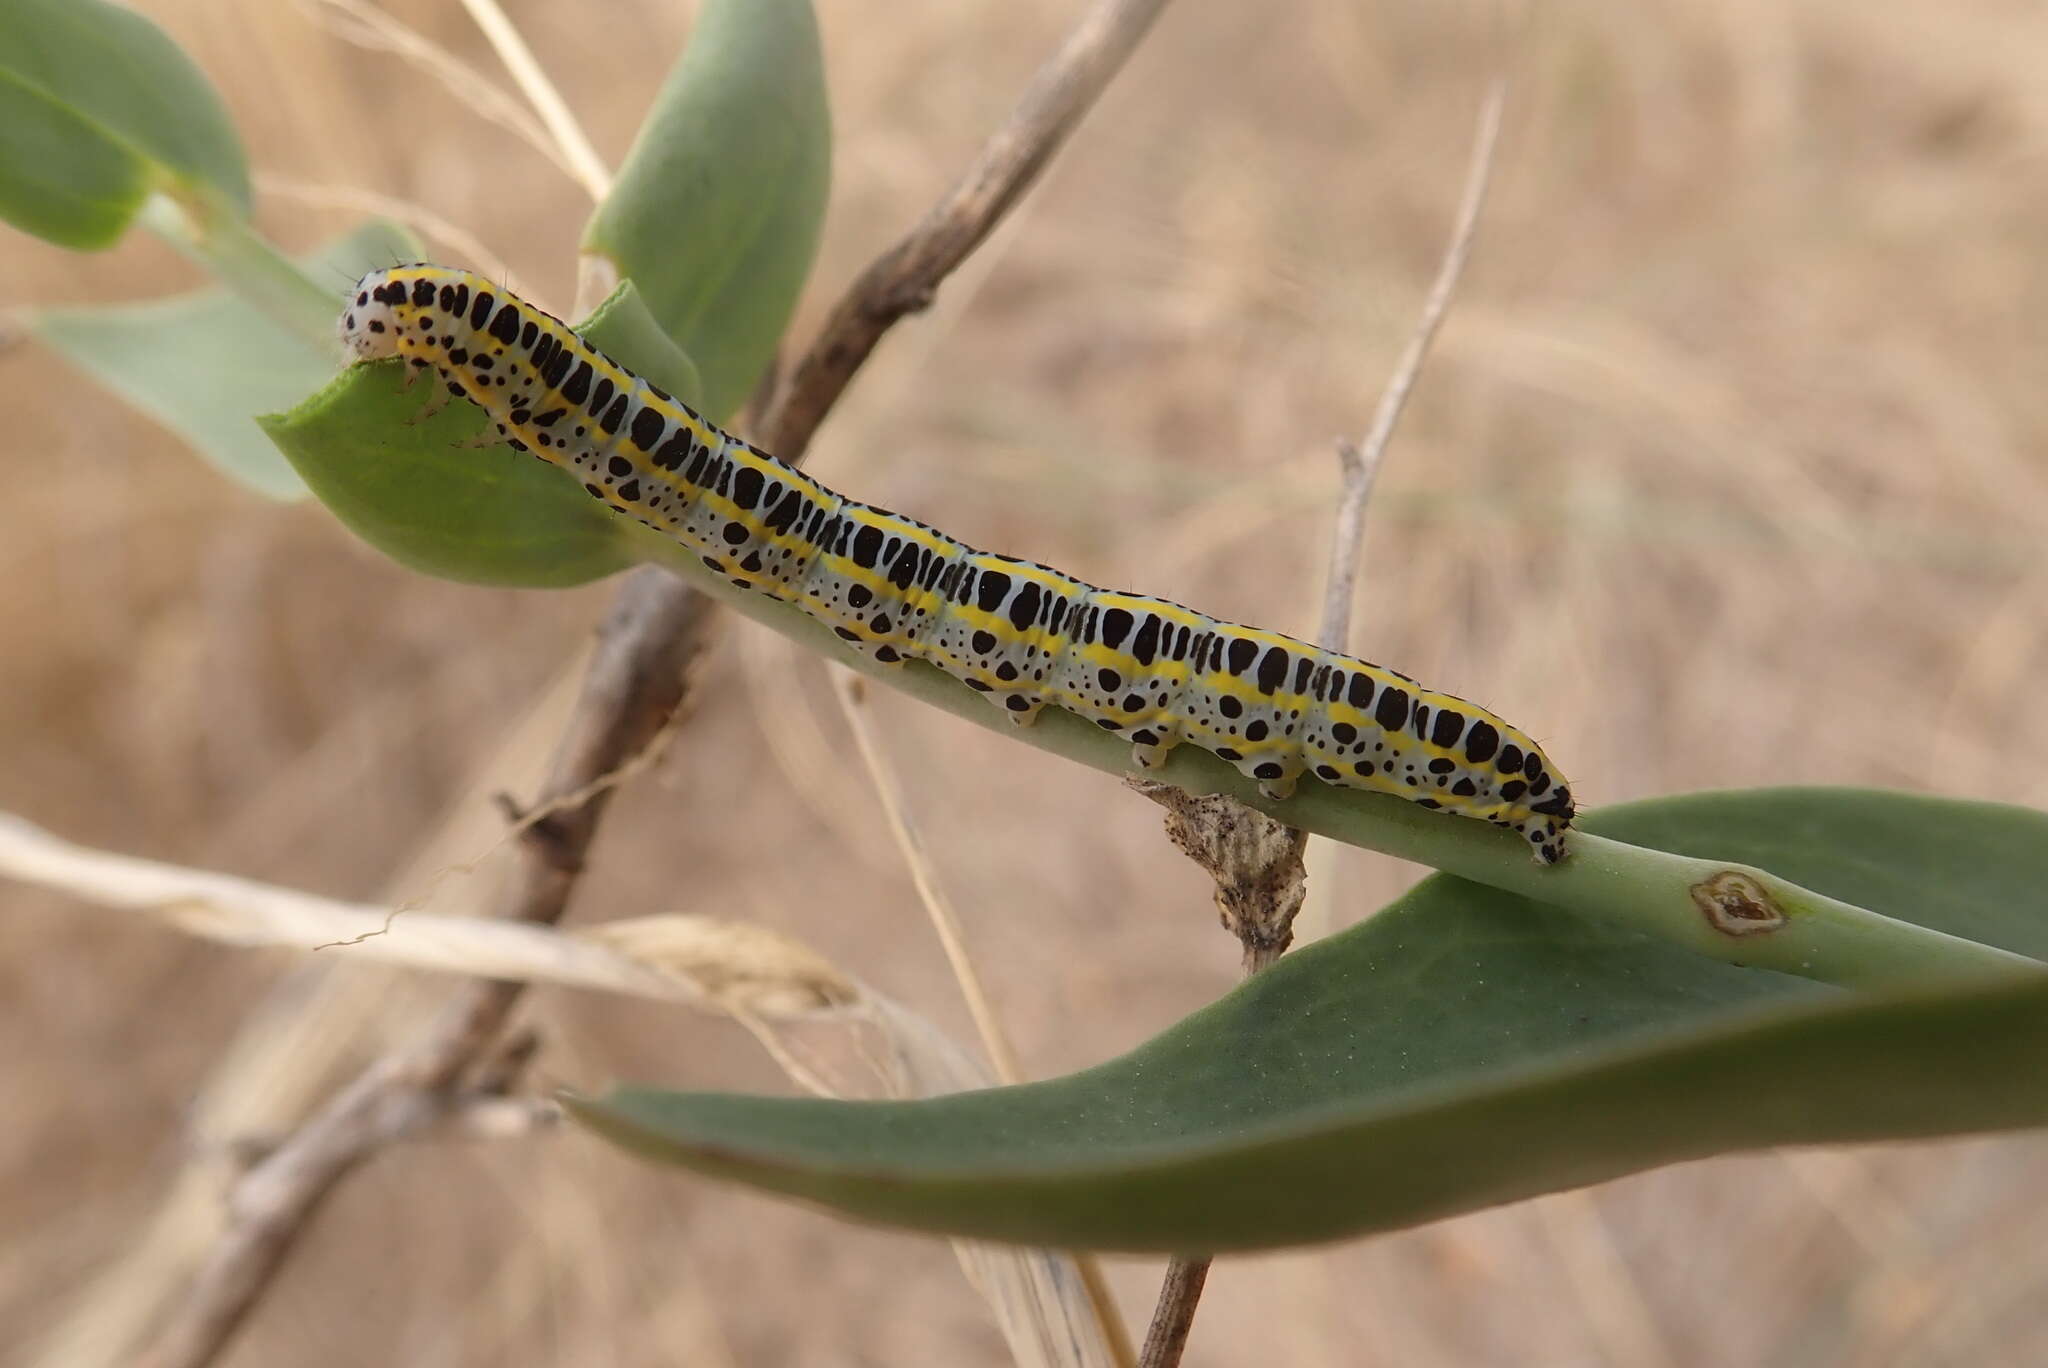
(369, 324)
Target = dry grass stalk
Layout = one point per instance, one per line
(704, 962)
(361, 23)
(570, 141)
(415, 216)
(924, 875)
(1035, 1293)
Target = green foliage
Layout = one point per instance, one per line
(420, 491)
(96, 107)
(1462, 1048)
(202, 363)
(60, 177)
(719, 205)
(716, 212)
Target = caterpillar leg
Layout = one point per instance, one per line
(495, 435)
(1149, 749)
(1276, 772)
(436, 401)
(1021, 709)
(1545, 823)
(1545, 836)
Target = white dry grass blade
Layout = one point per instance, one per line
(293, 1045)
(571, 142)
(758, 977)
(414, 215)
(363, 24)
(700, 961)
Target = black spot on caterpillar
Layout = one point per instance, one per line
(1024, 635)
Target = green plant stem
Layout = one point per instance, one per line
(250, 265)
(1821, 938)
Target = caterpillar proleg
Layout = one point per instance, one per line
(1025, 635)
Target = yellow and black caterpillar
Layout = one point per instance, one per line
(1024, 634)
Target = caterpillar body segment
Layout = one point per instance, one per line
(1005, 628)
(1126, 666)
(745, 514)
(1024, 635)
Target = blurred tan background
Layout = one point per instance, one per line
(1728, 470)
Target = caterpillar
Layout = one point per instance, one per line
(1025, 635)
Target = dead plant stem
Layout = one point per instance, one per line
(1254, 861)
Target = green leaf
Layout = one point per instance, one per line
(87, 87)
(416, 489)
(1463, 1048)
(716, 212)
(61, 178)
(205, 364)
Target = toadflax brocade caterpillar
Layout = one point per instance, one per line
(1023, 634)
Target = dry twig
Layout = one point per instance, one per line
(1179, 1294)
(635, 683)
(628, 694)
(1256, 862)
(1361, 462)
(706, 962)
(903, 279)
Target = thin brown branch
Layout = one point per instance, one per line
(1174, 1316)
(635, 683)
(903, 279)
(1361, 461)
(1254, 861)
(636, 680)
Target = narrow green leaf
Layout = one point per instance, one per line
(416, 489)
(623, 327)
(120, 74)
(61, 178)
(235, 254)
(1462, 1048)
(205, 364)
(716, 212)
